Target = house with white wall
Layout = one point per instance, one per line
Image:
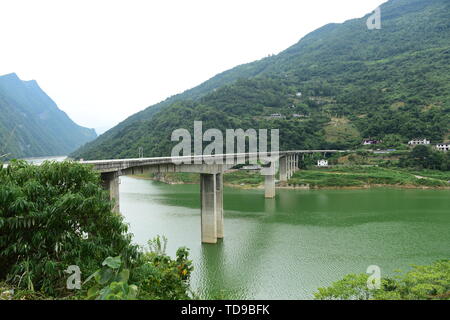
(322, 163)
(443, 147)
(415, 142)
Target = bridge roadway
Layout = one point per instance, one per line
(211, 169)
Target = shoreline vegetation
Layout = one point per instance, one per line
(338, 177)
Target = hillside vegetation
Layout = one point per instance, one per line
(31, 125)
(346, 82)
(429, 282)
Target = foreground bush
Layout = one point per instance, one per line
(52, 216)
(421, 283)
(160, 277)
(56, 215)
(156, 276)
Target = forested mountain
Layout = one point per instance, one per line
(31, 125)
(336, 86)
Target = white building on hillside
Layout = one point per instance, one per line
(443, 147)
(415, 142)
(322, 163)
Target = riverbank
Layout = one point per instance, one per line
(232, 178)
(363, 177)
(345, 177)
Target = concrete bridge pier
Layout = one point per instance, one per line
(211, 193)
(269, 186)
(110, 182)
(269, 181)
(290, 166)
(283, 169)
(219, 205)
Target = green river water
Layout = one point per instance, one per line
(285, 248)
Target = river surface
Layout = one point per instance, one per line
(285, 248)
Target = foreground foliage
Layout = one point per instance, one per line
(52, 216)
(421, 283)
(56, 215)
(160, 277)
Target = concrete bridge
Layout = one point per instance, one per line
(211, 169)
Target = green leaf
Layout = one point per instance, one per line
(132, 291)
(113, 263)
(105, 276)
(92, 293)
(124, 275)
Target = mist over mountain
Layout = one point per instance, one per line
(336, 86)
(32, 125)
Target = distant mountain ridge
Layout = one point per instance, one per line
(390, 84)
(32, 125)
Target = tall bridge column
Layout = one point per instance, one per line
(208, 192)
(110, 181)
(283, 169)
(219, 205)
(269, 186)
(291, 166)
(269, 181)
(294, 165)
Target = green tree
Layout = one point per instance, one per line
(52, 216)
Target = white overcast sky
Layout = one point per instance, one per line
(103, 60)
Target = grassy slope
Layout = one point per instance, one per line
(359, 176)
(345, 176)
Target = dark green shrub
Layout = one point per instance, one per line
(421, 283)
(160, 277)
(52, 216)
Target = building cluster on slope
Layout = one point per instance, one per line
(440, 146)
(444, 146)
(416, 142)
